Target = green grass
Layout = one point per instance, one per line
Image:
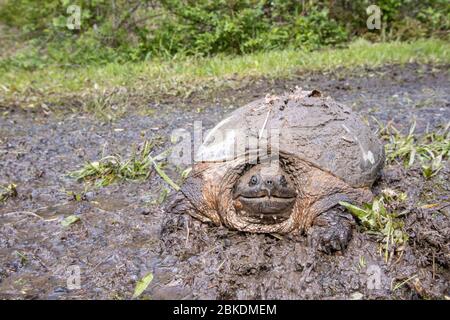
(7, 192)
(380, 219)
(430, 149)
(110, 169)
(182, 77)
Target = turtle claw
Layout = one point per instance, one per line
(332, 232)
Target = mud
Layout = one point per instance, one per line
(122, 234)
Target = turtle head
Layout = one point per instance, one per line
(264, 195)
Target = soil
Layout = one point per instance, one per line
(123, 233)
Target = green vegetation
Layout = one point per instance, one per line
(113, 168)
(379, 218)
(430, 150)
(162, 197)
(126, 52)
(69, 220)
(400, 284)
(163, 175)
(98, 89)
(7, 192)
(23, 258)
(136, 30)
(142, 284)
(78, 195)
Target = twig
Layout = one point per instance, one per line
(265, 123)
(128, 14)
(401, 284)
(187, 230)
(22, 212)
(135, 22)
(29, 213)
(35, 257)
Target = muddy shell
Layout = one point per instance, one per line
(313, 128)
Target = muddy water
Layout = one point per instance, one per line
(122, 234)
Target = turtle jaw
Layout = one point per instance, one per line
(264, 209)
(264, 195)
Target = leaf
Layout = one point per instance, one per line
(357, 211)
(69, 220)
(412, 157)
(376, 206)
(163, 175)
(427, 171)
(142, 284)
(186, 172)
(412, 128)
(174, 139)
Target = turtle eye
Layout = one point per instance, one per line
(253, 180)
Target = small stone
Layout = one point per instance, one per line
(89, 196)
(226, 243)
(144, 211)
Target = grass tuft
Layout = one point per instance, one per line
(112, 168)
(378, 218)
(430, 150)
(7, 192)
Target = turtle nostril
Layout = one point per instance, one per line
(269, 182)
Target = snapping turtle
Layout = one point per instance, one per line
(281, 164)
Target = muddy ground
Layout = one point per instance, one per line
(123, 233)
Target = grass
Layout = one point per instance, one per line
(113, 168)
(69, 220)
(380, 219)
(182, 77)
(430, 149)
(402, 283)
(8, 192)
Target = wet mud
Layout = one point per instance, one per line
(124, 233)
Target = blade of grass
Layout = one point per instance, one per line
(163, 175)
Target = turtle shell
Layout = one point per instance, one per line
(304, 125)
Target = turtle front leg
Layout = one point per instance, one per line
(196, 199)
(189, 200)
(331, 230)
